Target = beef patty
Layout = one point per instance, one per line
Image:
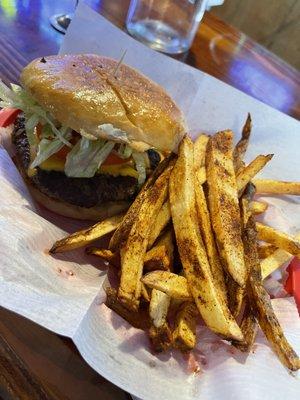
(84, 192)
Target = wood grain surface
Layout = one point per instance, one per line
(272, 23)
(35, 363)
(218, 49)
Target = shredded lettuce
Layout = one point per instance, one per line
(140, 165)
(30, 124)
(124, 151)
(17, 97)
(108, 131)
(48, 147)
(86, 157)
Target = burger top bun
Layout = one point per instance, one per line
(94, 96)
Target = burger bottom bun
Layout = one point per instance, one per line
(96, 213)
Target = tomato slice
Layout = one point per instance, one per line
(114, 159)
(63, 152)
(8, 116)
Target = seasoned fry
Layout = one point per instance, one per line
(159, 333)
(133, 252)
(241, 147)
(184, 334)
(258, 207)
(157, 259)
(160, 222)
(224, 206)
(208, 238)
(121, 234)
(265, 250)
(139, 319)
(278, 239)
(161, 338)
(277, 187)
(246, 174)
(87, 236)
(249, 328)
(160, 257)
(106, 255)
(191, 248)
(173, 285)
(274, 261)
(158, 309)
(236, 295)
(145, 293)
(261, 303)
(199, 158)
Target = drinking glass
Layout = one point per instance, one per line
(165, 25)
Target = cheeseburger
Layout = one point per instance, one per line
(89, 132)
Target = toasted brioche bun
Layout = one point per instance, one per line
(82, 92)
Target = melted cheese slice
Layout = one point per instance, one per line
(57, 164)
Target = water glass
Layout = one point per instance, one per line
(165, 25)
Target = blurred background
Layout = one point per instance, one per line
(274, 24)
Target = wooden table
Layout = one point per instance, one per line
(35, 363)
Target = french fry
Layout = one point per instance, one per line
(133, 252)
(159, 306)
(199, 158)
(160, 257)
(87, 236)
(246, 174)
(106, 255)
(271, 257)
(224, 206)
(161, 338)
(236, 293)
(274, 261)
(241, 147)
(139, 319)
(160, 222)
(120, 235)
(145, 293)
(249, 328)
(207, 233)
(278, 238)
(191, 248)
(258, 207)
(184, 334)
(265, 250)
(173, 285)
(157, 259)
(261, 303)
(277, 187)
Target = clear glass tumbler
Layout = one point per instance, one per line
(165, 25)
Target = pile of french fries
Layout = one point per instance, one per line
(189, 246)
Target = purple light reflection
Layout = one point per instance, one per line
(250, 77)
